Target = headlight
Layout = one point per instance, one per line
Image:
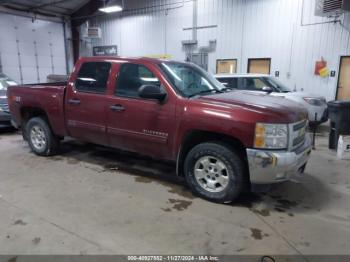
(271, 136)
(315, 101)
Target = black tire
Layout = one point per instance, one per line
(50, 147)
(234, 171)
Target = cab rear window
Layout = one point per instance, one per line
(93, 77)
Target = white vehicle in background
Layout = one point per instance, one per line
(316, 105)
(5, 117)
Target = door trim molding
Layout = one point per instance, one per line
(137, 135)
(85, 125)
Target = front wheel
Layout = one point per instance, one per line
(214, 172)
(40, 137)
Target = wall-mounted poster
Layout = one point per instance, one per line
(105, 50)
(321, 68)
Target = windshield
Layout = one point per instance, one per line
(277, 85)
(5, 82)
(190, 80)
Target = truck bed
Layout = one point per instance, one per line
(46, 97)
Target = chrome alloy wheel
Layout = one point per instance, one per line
(37, 137)
(211, 174)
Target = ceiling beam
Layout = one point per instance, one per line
(49, 8)
(83, 13)
(47, 4)
(25, 8)
(21, 12)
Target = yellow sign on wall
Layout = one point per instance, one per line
(160, 56)
(324, 72)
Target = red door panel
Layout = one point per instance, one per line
(86, 107)
(86, 116)
(143, 126)
(140, 125)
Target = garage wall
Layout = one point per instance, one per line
(283, 30)
(29, 51)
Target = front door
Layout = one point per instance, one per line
(343, 92)
(86, 103)
(136, 124)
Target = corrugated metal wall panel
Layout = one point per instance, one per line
(31, 50)
(245, 29)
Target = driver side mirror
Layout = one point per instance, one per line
(152, 92)
(267, 89)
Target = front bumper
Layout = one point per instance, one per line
(5, 119)
(267, 167)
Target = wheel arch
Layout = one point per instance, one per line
(195, 137)
(29, 112)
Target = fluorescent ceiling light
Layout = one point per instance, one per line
(111, 9)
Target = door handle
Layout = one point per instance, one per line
(74, 101)
(117, 108)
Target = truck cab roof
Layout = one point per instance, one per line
(240, 75)
(126, 59)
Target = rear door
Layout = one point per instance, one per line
(136, 124)
(86, 110)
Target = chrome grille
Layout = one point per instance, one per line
(297, 134)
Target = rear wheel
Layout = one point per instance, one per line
(40, 137)
(214, 172)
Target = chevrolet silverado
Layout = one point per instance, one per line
(222, 140)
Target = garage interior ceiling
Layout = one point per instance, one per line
(45, 7)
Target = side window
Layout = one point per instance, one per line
(254, 84)
(93, 77)
(131, 77)
(229, 82)
(259, 84)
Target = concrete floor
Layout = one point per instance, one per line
(92, 200)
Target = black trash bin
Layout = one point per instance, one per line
(339, 115)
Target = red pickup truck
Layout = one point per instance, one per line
(221, 139)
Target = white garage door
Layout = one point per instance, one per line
(29, 51)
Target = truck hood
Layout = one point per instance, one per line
(298, 94)
(271, 107)
(288, 94)
(3, 97)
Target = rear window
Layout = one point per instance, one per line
(93, 77)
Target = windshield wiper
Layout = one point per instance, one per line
(205, 92)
